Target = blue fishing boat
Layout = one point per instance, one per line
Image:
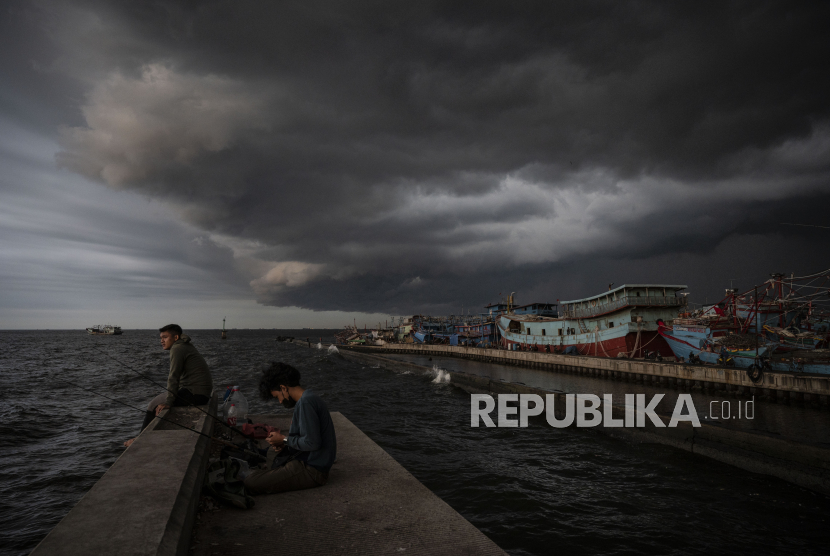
(434, 330)
(420, 335)
(781, 325)
(791, 311)
(477, 331)
(708, 345)
(792, 338)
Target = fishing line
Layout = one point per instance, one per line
(217, 419)
(220, 441)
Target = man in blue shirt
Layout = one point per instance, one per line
(310, 445)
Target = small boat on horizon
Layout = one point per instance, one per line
(106, 330)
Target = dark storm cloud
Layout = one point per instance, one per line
(61, 233)
(381, 156)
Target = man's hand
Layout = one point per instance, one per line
(276, 440)
(160, 408)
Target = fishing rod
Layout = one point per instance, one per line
(219, 440)
(215, 418)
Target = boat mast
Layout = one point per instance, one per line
(757, 329)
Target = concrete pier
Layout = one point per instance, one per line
(146, 502)
(773, 385)
(371, 505)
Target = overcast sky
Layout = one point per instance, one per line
(297, 164)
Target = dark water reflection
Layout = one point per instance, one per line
(802, 423)
(534, 491)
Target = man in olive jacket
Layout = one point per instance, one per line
(189, 381)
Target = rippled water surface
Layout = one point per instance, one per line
(533, 491)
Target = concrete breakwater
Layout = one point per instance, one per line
(147, 503)
(783, 387)
(800, 463)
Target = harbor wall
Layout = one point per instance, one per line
(806, 388)
(806, 465)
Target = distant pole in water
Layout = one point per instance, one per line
(224, 334)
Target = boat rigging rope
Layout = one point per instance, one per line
(636, 341)
(822, 273)
(598, 341)
(594, 333)
(642, 347)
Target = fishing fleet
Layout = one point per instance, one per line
(782, 325)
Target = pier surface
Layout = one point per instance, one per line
(371, 505)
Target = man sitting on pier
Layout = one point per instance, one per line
(310, 447)
(189, 381)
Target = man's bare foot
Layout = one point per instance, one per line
(129, 442)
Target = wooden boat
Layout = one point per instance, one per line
(621, 322)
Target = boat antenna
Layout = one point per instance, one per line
(218, 440)
(214, 417)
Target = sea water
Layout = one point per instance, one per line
(533, 491)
